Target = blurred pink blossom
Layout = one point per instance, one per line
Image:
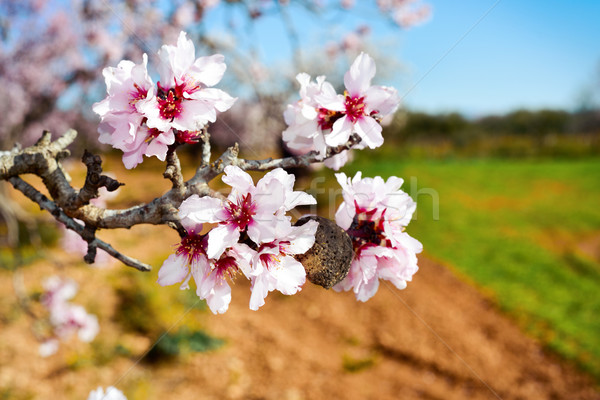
(72, 243)
(347, 4)
(405, 13)
(112, 393)
(65, 318)
(209, 3)
(185, 14)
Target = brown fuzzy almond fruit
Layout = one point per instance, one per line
(328, 261)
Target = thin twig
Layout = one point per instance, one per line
(295, 161)
(34, 195)
(94, 180)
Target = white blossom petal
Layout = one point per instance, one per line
(260, 290)
(220, 238)
(290, 276)
(340, 132)
(174, 270)
(358, 79)
(370, 131)
(302, 237)
(238, 179)
(202, 209)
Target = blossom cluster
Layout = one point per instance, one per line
(375, 214)
(249, 233)
(144, 119)
(323, 118)
(66, 318)
(253, 237)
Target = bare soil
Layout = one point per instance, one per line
(437, 339)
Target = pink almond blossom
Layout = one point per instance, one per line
(68, 319)
(361, 106)
(65, 318)
(275, 268)
(148, 142)
(191, 261)
(122, 122)
(257, 210)
(323, 118)
(308, 123)
(259, 213)
(375, 213)
(142, 119)
(185, 99)
(57, 291)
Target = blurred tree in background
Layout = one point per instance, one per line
(52, 52)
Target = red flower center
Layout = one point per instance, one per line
(189, 137)
(366, 230)
(136, 95)
(241, 212)
(169, 101)
(355, 107)
(152, 134)
(271, 260)
(224, 267)
(327, 118)
(192, 246)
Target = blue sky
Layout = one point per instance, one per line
(530, 53)
(522, 54)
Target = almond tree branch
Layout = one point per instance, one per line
(68, 204)
(94, 180)
(34, 195)
(173, 170)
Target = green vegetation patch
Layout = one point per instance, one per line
(182, 342)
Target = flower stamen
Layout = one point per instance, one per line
(355, 107)
(192, 246)
(169, 101)
(241, 212)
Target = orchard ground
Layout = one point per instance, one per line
(524, 233)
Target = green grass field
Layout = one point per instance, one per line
(526, 232)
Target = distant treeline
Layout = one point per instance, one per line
(519, 133)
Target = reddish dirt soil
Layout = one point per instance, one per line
(437, 339)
